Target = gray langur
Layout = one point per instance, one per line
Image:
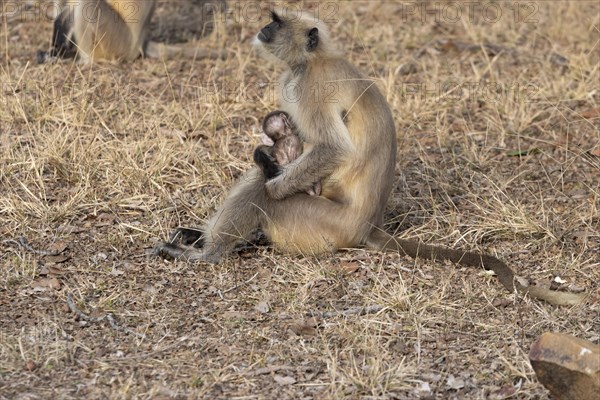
(351, 149)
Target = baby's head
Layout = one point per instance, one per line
(277, 125)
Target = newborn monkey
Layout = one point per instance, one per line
(281, 145)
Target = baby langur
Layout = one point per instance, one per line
(115, 30)
(282, 145)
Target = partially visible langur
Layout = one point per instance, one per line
(351, 141)
(181, 21)
(282, 145)
(115, 30)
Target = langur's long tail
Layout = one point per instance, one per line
(381, 241)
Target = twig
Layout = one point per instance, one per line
(345, 313)
(21, 241)
(109, 317)
(238, 286)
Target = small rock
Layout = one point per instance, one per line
(262, 307)
(567, 366)
(284, 380)
(424, 387)
(455, 383)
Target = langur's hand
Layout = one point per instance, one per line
(266, 140)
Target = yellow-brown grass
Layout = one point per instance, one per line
(107, 159)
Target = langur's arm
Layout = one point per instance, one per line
(301, 174)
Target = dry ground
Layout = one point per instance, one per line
(498, 123)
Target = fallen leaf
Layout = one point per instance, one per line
(503, 393)
(30, 366)
(591, 113)
(51, 269)
(501, 303)
(58, 247)
(349, 267)
(69, 229)
(45, 283)
(595, 152)
(307, 327)
(54, 283)
(284, 380)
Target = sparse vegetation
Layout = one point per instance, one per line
(498, 120)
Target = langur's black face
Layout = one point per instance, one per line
(267, 33)
(289, 38)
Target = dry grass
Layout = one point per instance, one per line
(107, 159)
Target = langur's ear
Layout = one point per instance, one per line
(313, 39)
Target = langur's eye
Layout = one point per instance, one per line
(275, 17)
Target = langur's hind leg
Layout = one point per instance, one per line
(235, 221)
(242, 212)
(179, 252)
(187, 236)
